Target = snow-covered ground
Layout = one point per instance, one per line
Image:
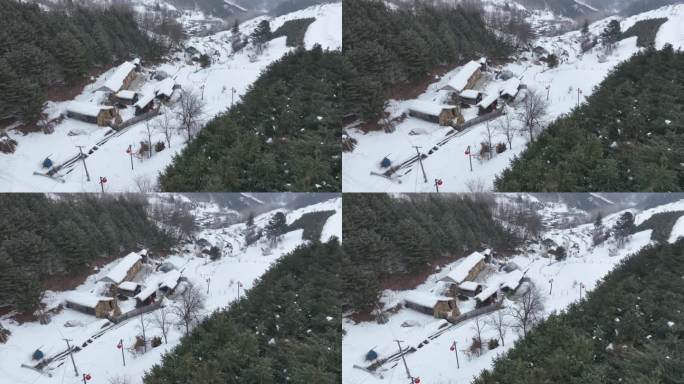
(579, 72)
(559, 283)
(228, 71)
(100, 358)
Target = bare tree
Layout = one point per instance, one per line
(164, 124)
(533, 112)
(498, 321)
(487, 133)
(528, 311)
(479, 326)
(143, 327)
(505, 127)
(190, 111)
(162, 321)
(188, 307)
(148, 134)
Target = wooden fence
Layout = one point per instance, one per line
(135, 312)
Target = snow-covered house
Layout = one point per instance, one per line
(468, 288)
(120, 79)
(98, 306)
(146, 297)
(145, 103)
(465, 78)
(470, 97)
(165, 88)
(125, 97)
(512, 281)
(466, 270)
(128, 289)
(488, 296)
(170, 281)
(510, 88)
(126, 269)
(92, 113)
(442, 114)
(488, 104)
(438, 306)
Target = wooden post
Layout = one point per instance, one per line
(123, 357)
(130, 152)
(420, 161)
(458, 364)
(408, 373)
(80, 150)
(72, 357)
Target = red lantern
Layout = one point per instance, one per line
(88, 377)
(452, 348)
(128, 150)
(103, 180)
(416, 380)
(440, 182)
(467, 152)
(119, 346)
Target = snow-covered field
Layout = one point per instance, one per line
(559, 282)
(229, 71)
(580, 72)
(101, 358)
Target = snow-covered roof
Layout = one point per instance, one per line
(469, 286)
(146, 293)
(460, 80)
(126, 95)
(470, 94)
(429, 108)
(119, 272)
(115, 81)
(86, 109)
(511, 87)
(86, 299)
(144, 100)
(512, 279)
(486, 293)
(136, 61)
(460, 272)
(487, 252)
(165, 87)
(128, 286)
(170, 279)
(425, 299)
(487, 101)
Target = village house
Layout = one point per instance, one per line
(470, 97)
(510, 88)
(146, 297)
(487, 297)
(98, 306)
(144, 104)
(437, 306)
(121, 78)
(466, 78)
(125, 270)
(170, 281)
(467, 288)
(125, 97)
(164, 90)
(467, 270)
(441, 114)
(128, 289)
(488, 104)
(512, 281)
(92, 113)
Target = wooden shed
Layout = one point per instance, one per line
(128, 289)
(98, 306)
(510, 89)
(170, 281)
(125, 97)
(487, 297)
(470, 97)
(512, 281)
(466, 77)
(488, 104)
(119, 79)
(92, 113)
(146, 297)
(125, 270)
(468, 288)
(441, 114)
(144, 104)
(437, 306)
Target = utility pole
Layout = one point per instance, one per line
(82, 156)
(130, 152)
(208, 281)
(458, 364)
(470, 157)
(123, 357)
(420, 160)
(579, 92)
(408, 373)
(548, 90)
(551, 289)
(232, 95)
(72, 356)
(581, 286)
(202, 99)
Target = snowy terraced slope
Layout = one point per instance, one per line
(579, 72)
(110, 160)
(434, 362)
(100, 358)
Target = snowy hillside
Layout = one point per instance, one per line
(219, 85)
(560, 283)
(564, 87)
(221, 280)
